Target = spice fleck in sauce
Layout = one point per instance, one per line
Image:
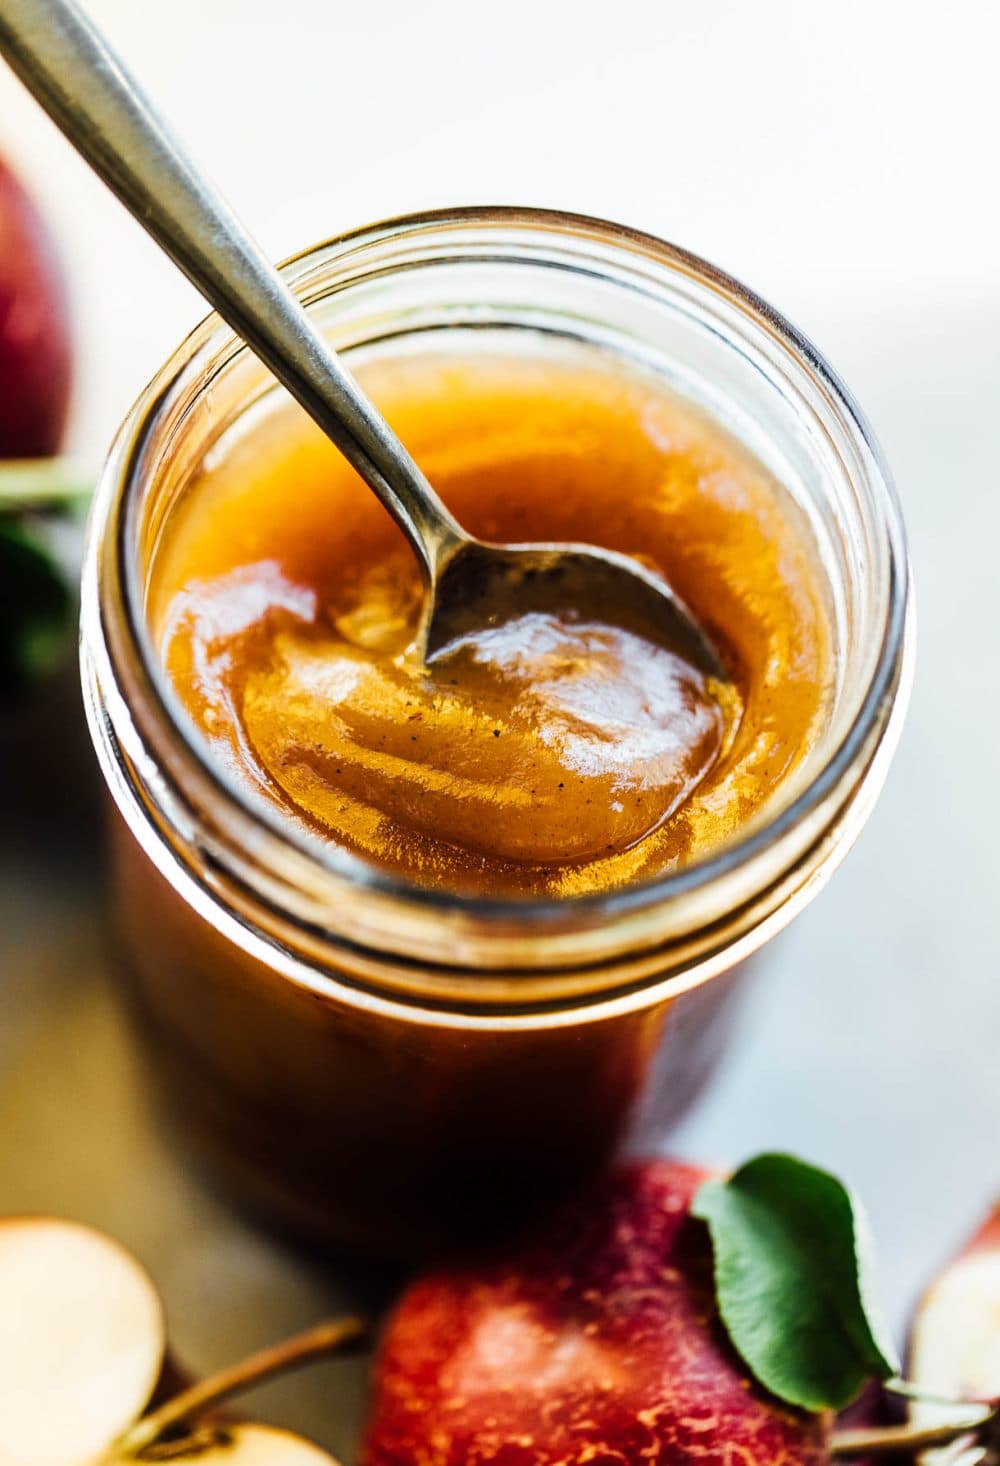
(552, 755)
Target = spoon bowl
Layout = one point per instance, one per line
(481, 586)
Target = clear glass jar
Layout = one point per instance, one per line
(390, 1066)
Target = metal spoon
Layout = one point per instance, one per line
(73, 72)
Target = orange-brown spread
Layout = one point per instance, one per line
(552, 754)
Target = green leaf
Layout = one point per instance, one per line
(35, 608)
(793, 1267)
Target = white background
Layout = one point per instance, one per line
(843, 159)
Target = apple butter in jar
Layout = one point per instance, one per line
(419, 946)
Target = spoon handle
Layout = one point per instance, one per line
(72, 71)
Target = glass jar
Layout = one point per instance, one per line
(396, 1068)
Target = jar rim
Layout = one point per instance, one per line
(733, 857)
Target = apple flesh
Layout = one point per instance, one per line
(81, 1342)
(598, 1344)
(955, 1336)
(83, 1353)
(35, 347)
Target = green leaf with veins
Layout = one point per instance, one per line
(793, 1266)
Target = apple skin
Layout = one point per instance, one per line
(597, 1344)
(35, 346)
(986, 1238)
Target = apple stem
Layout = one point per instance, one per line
(315, 1343)
(890, 1439)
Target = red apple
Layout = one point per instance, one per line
(35, 352)
(598, 1344)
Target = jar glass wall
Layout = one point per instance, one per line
(386, 1064)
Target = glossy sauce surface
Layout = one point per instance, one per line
(553, 754)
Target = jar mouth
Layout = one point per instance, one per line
(113, 592)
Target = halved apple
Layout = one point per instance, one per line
(955, 1337)
(82, 1341)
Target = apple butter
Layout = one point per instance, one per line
(550, 755)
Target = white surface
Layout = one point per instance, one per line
(842, 158)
